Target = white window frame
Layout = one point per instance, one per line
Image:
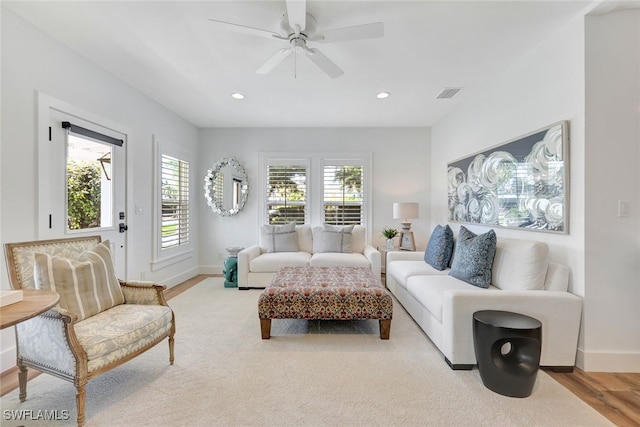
(315, 162)
(347, 162)
(281, 159)
(164, 257)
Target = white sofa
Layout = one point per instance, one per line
(256, 266)
(443, 306)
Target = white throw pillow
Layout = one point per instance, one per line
(280, 238)
(334, 238)
(520, 264)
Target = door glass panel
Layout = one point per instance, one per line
(89, 190)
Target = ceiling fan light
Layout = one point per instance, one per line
(383, 95)
(237, 95)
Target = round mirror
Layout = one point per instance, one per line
(226, 187)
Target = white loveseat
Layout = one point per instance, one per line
(443, 306)
(256, 266)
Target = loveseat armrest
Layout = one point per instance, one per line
(244, 259)
(374, 257)
(559, 312)
(404, 256)
(143, 292)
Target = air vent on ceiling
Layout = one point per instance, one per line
(448, 92)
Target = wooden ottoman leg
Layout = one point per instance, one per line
(385, 328)
(265, 328)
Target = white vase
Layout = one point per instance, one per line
(389, 244)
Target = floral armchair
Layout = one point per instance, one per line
(109, 323)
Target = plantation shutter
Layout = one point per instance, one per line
(343, 194)
(175, 202)
(286, 193)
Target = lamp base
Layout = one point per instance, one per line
(406, 226)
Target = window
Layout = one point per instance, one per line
(286, 193)
(343, 194)
(315, 188)
(175, 202)
(89, 192)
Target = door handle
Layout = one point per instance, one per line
(123, 227)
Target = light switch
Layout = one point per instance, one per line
(624, 208)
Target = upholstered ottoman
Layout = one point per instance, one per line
(325, 293)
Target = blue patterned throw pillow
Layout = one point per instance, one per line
(439, 248)
(473, 260)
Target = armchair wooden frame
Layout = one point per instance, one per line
(145, 293)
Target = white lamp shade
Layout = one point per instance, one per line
(405, 210)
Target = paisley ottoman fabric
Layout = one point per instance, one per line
(338, 293)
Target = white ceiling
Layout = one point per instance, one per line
(169, 51)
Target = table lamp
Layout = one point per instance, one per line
(406, 211)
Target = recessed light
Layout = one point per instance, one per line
(383, 95)
(237, 95)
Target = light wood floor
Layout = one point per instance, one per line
(616, 396)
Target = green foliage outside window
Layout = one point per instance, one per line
(350, 179)
(83, 194)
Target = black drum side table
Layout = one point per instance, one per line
(507, 347)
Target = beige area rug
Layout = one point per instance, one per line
(308, 374)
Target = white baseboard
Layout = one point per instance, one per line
(608, 362)
(179, 278)
(8, 350)
(211, 269)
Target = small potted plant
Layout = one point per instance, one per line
(389, 233)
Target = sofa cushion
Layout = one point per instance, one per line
(439, 248)
(333, 259)
(401, 270)
(87, 286)
(430, 291)
(280, 238)
(474, 257)
(520, 264)
(333, 238)
(270, 262)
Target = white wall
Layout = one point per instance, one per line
(542, 87)
(400, 173)
(7, 337)
(546, 85)
(612, 243)
(32, 62)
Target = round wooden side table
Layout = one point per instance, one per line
(33, 303)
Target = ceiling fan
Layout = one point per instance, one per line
(298, 27)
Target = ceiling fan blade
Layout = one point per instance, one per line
(324, 63)
(297, 14)
(272, 62)
(356, 32)
(243, 29)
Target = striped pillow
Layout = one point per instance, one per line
(87, 286)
